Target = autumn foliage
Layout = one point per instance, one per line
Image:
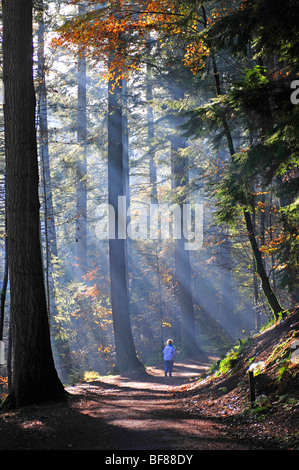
(119, 32)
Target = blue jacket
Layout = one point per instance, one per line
(169, 352)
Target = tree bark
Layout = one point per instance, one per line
(61, 350)
(267, 289)
(183, 274)
(151, 135)
(34, 375)
(49, 220)
(3, 291)
(126, 358)
(81, 194)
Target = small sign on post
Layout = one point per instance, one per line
(254, 369)
(251, 388)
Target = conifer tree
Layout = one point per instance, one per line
(34, 375)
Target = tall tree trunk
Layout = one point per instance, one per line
(81, 194)
(267, 289)
(153, 183)
(34, 375)
(151, 135)
(183, 274)
(226, 304)
(256, 285)
(126, 176)
(2, 311)
(60, 345)
(126, 357)
(49, 220)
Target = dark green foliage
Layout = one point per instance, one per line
(289, 248)
(264, 26)
(258, 110)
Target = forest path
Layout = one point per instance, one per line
(136, 411)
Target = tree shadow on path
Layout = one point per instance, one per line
(134, 411)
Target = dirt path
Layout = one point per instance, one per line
(132, 412)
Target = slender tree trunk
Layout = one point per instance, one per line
(267, 289)
(183, 274)
(226, 306)
(34, 375)
(81, 194)
(60, 345)
(126, 178)
(2, 309)
(256, 286)
(153, 183)
(151, 135)
(126, 358)
(49, 219)
(3, 291)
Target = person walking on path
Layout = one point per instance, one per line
(169, 352)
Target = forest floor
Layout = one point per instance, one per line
(144, 410)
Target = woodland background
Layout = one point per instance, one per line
(199, 83)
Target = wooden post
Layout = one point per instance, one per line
(251, 387)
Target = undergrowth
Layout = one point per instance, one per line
(229, 362)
